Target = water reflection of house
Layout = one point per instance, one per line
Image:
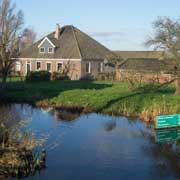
(110, 126)
(47, 109)
(63, 115)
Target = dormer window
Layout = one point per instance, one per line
(42, 50)
(50, 50)
(46, 46)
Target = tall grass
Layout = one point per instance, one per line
(18, 155)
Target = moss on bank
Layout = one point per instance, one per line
(100, 96)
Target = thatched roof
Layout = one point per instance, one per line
(143, 64)
(139, 54)
(72, 44)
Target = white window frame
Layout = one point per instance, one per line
(18, 66)
(51, 51)
(101, 67)
(41, 51)
(40, 65)
(46, 38)
(57, 65)
(89, 68)
(50, 68)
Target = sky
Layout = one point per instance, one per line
(117, 24)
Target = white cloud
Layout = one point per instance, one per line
(106, 34)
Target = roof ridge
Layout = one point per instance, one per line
(76, 41)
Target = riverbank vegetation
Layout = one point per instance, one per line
(111, 97)
(18, 151)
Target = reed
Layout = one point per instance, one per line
(19, 156)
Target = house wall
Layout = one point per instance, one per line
(73, 64)
(76, 66)
(94, 68)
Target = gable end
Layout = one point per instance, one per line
(44, 40)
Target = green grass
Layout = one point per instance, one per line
(100, 96)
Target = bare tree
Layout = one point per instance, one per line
(10, 30)
(28, 38)
(167, 38)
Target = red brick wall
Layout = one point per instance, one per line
(159, 77)
(94, 67)
(75, 66)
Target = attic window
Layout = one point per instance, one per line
(42, 50)
(50, 50)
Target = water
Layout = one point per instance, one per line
(97, 146)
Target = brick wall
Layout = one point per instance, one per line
(93, 66)
(75, 66)
(160, 77)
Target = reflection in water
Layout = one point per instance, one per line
(167, 135)
(63, 115)
(165, 149)
(81, 147)
(110, 125)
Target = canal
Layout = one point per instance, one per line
(97, 146)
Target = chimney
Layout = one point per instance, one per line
(57, 32)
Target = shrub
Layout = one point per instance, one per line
(88, 77)
(59, 76)
(106, 76)
(36, 76)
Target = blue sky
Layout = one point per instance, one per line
(118, 24)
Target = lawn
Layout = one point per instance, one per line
(100, 96)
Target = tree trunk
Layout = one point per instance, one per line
(177, 84)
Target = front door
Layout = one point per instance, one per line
(28, 67)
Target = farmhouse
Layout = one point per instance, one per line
(67, 47)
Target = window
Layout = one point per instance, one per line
(18, 66)
(88, 67)
(50, 50)
(48, 67)
(59, 67)
(100, 67)
(38, 66)
(42, 50)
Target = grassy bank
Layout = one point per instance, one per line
(100, 96)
